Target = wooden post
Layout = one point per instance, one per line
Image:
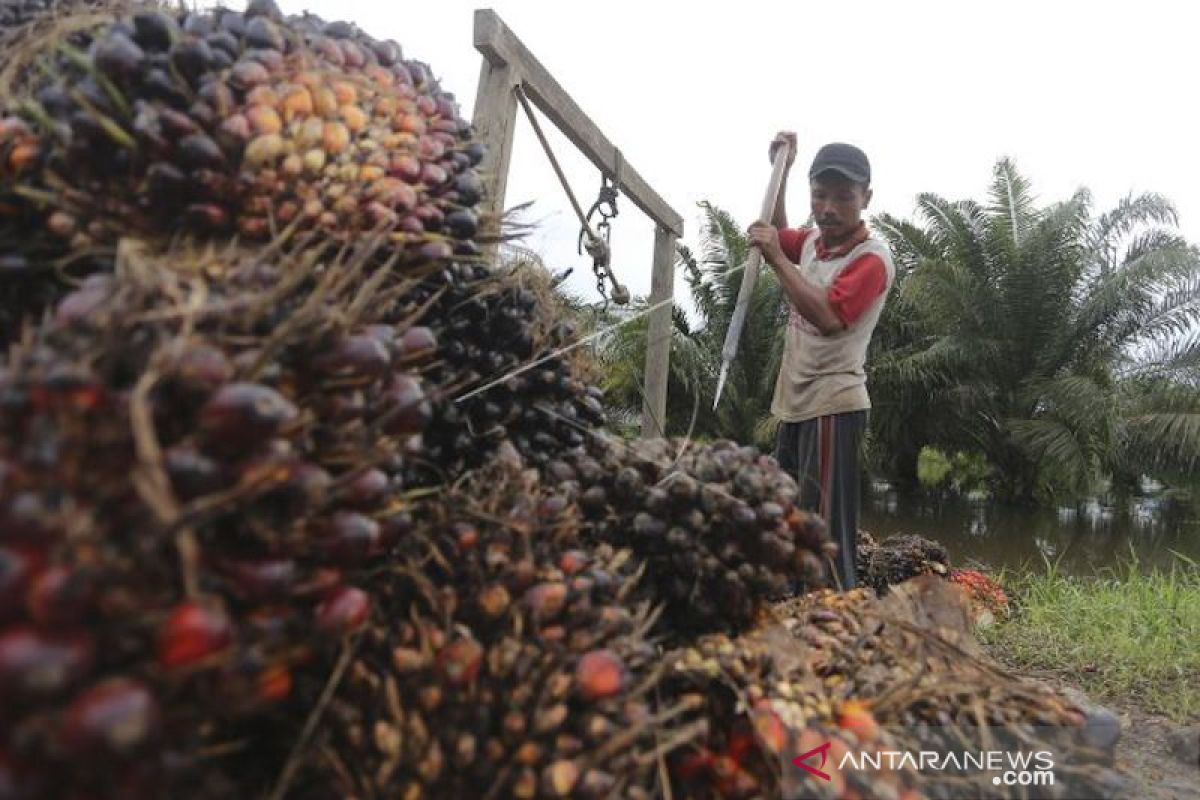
(658, 334)
(494, 119)
(508, 63)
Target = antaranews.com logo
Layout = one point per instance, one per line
(1011, 767)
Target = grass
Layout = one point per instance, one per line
(1124, 635)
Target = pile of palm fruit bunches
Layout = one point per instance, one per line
(299, 496)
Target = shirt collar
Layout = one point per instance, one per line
(858, 237)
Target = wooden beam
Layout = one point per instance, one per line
(658, 334)
(495, 119)
(501, 48)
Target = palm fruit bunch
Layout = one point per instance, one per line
(865, 547)
(717, 525)
(764, 708)
(908, 663)
(988, 599)
(187, 511)
(502, 660)
(154, 121)
(506, 381)
(898, 558)
(14, 14)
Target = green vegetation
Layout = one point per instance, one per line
(1044, 350)
(1124, 635)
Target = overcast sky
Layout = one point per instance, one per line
(1079, 94)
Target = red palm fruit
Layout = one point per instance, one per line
(769, 728)
(61, 597)
(203, 368)
(192, 634)
(192, 473)
(262, 579)
(351, 537)
(406, 405)
(466, 536)
(395, 526)
(368, 489)
(117, 717)
(572, 562)
(35, 664)
(546, 600)
(417, 343)
(494, 600)
(599, 674)
(460, 660)
(406, 167)
(243, 415)
(694, 764)
(343, 611)
(359, 355)
(307, 484)
(274, 683)
(855, 716)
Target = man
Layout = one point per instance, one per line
(835, 277)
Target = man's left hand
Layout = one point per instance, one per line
(765, 237)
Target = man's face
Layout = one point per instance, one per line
(837, 204)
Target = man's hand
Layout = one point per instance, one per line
(766, 238)
(783, 139)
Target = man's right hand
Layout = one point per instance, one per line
(783, 139)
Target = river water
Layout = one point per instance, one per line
(1083, 539)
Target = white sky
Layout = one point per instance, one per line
(1079, 94)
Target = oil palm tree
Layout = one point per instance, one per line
(1059, 344)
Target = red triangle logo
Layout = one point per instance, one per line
(824, 751)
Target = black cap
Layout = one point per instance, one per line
(842, 158)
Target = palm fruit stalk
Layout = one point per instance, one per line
(157, 122)
(502, 660)
(716, 524)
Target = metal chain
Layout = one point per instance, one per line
(597, 246)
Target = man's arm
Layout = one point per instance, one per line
(809, 300)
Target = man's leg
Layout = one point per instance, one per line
(796, 452)
(841, 440)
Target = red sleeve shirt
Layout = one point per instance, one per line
(792, 241)
(854, 289)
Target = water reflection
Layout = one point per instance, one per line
(1084, 537)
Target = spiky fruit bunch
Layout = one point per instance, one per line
(503, 659)
(987, 596)
(223, 122)
(717, 525)
(898, 558)
(764, 707)
(863, 647)
(186, 512)
(505, 382)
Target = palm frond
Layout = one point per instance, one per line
(1011, 208)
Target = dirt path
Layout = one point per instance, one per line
(1162, 757)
